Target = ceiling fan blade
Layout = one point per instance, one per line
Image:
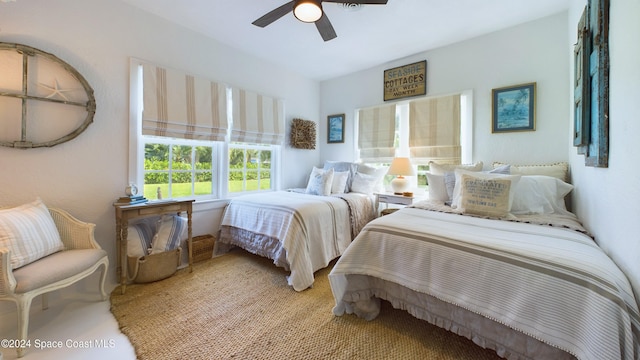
(325, 28)
(363, 2)
(274, 14)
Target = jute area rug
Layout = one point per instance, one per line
(239, 306)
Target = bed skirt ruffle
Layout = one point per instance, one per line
(364, 301)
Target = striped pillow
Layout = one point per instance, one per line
(29, 232)
(171, 232)
(139, 236)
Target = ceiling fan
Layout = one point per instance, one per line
(311, 11)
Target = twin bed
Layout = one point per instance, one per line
(300, 232)
(506, 265)
(524, 290)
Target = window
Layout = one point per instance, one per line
(177, 169)
(180, 129)
(249, 167)
(407, 144)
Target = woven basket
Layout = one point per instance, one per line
(203, 247)
(153, 267)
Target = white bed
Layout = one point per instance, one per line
(299, 232)
(528, 286)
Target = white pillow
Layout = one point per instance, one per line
(363, 183)
(171, 232)
(352, 168)
(481, 190)
(538, 194)
(558, 170)
(29, 232)
(441, 169)
(339, 183)
(378, 173)
(320, 182)
(437, 187)
(450, 184)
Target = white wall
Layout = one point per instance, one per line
(608, 199)
(98, 37)
(531, 52)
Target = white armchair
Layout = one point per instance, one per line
(81, 257)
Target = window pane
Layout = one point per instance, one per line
(156, 157)
(265, 159)
(181, 184)
(236, 158)
(252, 184)
(253, 158)
(156, 170)
(204, 175)
(249, 168)
(203, 157)
(181, 157)
(265, 180)
(236, 170)
(181, 175)
(422, 175)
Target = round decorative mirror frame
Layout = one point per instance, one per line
(23, 95)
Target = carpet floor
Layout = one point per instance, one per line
(239, 306)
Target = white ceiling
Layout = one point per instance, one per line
(367, 37)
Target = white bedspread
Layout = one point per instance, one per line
(551, 283)
(300, 232)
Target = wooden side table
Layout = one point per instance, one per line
(124, 213)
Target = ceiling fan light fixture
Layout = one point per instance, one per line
(307, 10)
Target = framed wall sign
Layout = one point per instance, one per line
(514, 108)
(335, 128)
(405, 81)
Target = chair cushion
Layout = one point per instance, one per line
(29, 232)
(55, 267)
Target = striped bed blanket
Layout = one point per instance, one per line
(299, 232)
(551, 283)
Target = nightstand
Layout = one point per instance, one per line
(388, 198)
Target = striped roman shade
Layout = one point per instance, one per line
(434, 134)
(180, 105)
(376, 133)
(257, 118)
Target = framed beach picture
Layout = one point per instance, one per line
(335, 128)
(514, 108)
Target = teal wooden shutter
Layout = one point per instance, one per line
(591, 88)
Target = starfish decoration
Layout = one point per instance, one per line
(55, 90)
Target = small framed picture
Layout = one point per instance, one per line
(335, 128)
(514, 108)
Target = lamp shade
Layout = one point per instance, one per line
(401, 166)
(307, 10)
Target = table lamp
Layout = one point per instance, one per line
(401, 167)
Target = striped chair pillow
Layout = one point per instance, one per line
(29, 232)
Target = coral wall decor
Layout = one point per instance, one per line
(303, 134)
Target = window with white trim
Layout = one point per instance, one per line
(179, 169)
(249, 167)
(427, 141)
(180, 131)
